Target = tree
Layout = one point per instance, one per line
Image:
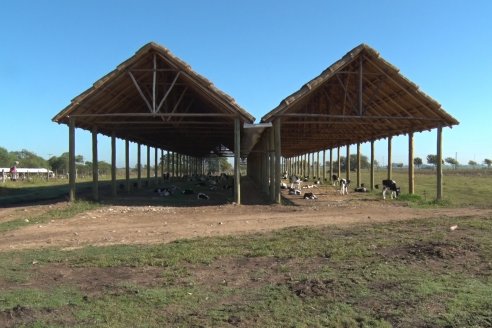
(5, 158)
(472, 163)
(487, 162)
(59, 164)
(225, 166)
(417, 161)
(28, 159)
(432, 159)
(452, 161)
(364, 162)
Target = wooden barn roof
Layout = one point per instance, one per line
(329, 111)
(156, 99)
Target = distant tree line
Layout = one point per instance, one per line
(58, 164)
(25, 158)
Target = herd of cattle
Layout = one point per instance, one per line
(211, 183)
(296, 184)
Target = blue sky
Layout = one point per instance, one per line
(257, 51)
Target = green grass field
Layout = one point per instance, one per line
(402, 274)
(412, 274)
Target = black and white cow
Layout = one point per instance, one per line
(309, 195)
(295, 182)
(334, 180)
(293, 191)
(390, 185)
(201, 195)
(164, 192)
(344, 183)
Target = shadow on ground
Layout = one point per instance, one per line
(144, 196)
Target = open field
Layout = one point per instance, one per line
(148, 261)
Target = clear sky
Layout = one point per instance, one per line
(257, 51)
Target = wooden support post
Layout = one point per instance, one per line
(309, 166)
(168, 162)
(390, 165)
(180, 166)
(298, 162)
(156, 166)
(71, 158)
(317, 166)
(302, 165)
(237, 159)
(113, 164)
(331, 164)
(339, 164)
(176, 164)
(188, 165)
(148, 165)
(265, 176)
(162, 163)
(358, 165)
(127, 165)
(372, 165)
(271, 158)
(173, 164)
(313, 164)
(139, 166)
(95, 166)
(324, 165)
(411, 170)
(276, 127)
(439, 164)
(347, 163)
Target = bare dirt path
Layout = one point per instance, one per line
(112, 225)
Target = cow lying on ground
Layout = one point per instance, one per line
(309, 195)
(201, 195)
(293, 191)
(163, 192)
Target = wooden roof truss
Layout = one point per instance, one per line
(155, 99)
(359, 98)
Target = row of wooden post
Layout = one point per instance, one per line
(263, 164)
(177, 164)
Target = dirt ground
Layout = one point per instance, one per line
(150, 224)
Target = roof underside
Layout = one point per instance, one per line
(156, 99)
(359, 98)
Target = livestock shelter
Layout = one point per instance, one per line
(156, 100)
(360, 98)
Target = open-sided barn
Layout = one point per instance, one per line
(157, 100)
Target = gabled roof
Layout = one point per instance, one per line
(156, 99)
(329, 111)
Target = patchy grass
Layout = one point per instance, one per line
(460, 188)
(407, 274)
(66, 212)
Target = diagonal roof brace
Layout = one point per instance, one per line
(141, 92)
